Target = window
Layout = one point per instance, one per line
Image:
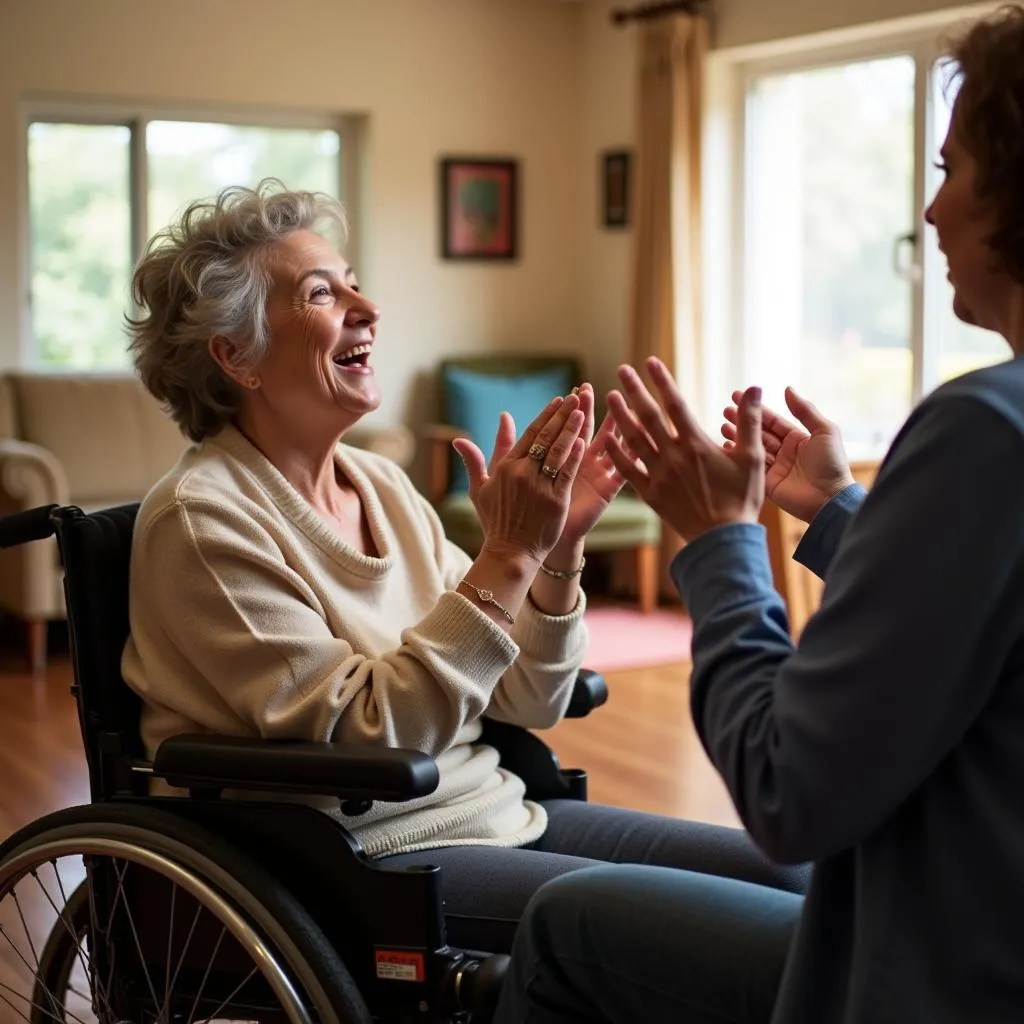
(830, 147)
(98, 191)
(830, 190)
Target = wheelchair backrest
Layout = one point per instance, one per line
(96, 553)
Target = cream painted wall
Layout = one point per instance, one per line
(608, 122)
(432, 76)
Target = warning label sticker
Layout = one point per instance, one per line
(399, 965)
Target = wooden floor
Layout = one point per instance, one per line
(640, 749)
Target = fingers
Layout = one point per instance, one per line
(558, 406)
(586, 396)
(805, 412)
(629, 427)
(607, 427)
(678, 411)
(556, 423)
(561, 448)
(598, 447)
(748, 424)
(644, 406)
(626, 464)
(771, 443)
(504, 439)
(564, 481)
(473, 460)
(772, 423)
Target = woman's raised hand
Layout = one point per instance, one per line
(522, 496)
(805, 467)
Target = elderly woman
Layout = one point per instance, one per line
(888, 747)
(288, 586)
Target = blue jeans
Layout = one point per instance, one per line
(624, 944)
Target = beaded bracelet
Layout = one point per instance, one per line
(562, 574)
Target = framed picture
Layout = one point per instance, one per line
(479, 209)
(615, 188)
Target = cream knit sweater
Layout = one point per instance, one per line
(251, 617)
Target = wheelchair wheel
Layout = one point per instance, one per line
(55, 984)
(165, 922)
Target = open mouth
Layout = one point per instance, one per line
(357, 356)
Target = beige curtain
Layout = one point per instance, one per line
(666, 313)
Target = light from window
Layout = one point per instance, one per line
(81, 213)
(80, 242)
(190, 160)
(830, 184)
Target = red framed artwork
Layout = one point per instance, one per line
(479, 209)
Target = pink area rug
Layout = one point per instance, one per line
(626, 638)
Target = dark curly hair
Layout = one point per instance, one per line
(986, 63)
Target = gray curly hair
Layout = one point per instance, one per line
(204, 275)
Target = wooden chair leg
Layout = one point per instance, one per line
(36, 629)
(647, 577)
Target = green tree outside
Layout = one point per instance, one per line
(80, 214)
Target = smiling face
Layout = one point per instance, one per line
(963, 222)
(322, 331)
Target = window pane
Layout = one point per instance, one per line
(958, 347)
(829, 192)
(191, 160)
(80, 237)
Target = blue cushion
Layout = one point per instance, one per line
(475, 401)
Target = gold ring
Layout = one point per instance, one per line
(549, 471)
(537, 452)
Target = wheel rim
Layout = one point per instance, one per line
(50, 868)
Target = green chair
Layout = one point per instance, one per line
(474, 391)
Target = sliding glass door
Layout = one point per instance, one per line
(845, 293)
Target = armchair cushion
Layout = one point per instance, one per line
(474, 402)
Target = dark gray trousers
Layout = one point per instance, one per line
(486, 888)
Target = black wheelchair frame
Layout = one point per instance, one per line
(388, 953)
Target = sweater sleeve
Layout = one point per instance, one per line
(820, 541)
(225, 597)
(820, 745)
(535, 690)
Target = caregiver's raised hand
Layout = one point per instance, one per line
(806, 467)
(688, 479)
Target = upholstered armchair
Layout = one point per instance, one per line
(474, 391)
(92, 440)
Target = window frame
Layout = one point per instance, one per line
(135, 117)
(729, 75)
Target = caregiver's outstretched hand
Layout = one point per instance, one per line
(688, 479)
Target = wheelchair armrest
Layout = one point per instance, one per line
(293, 766)
(589, 692)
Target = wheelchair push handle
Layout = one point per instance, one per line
(24, 527)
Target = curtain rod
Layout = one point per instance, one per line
(656, 10)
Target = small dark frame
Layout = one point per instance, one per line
(479, 208)
(616, 169)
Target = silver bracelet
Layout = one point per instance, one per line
(561, 574)
(487, 597)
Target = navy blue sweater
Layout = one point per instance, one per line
(888, 747)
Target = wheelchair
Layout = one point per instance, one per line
(204, 908)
